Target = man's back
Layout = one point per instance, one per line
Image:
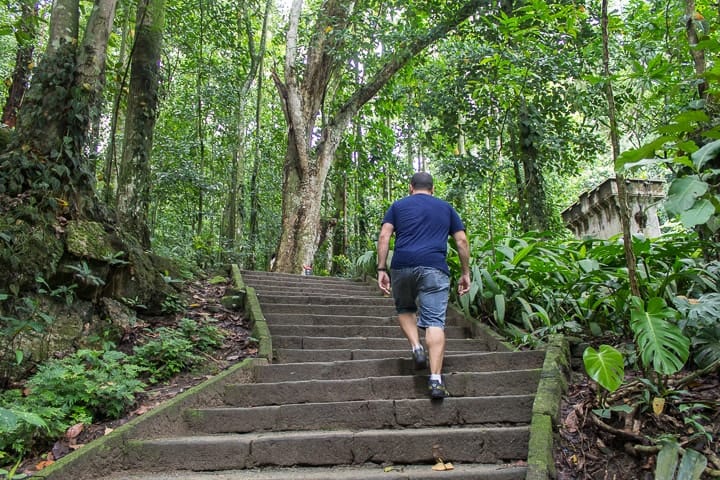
(422, 224)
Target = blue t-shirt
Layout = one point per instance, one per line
(422, 224)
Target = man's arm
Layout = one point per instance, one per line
(463, 249)
(383, 248)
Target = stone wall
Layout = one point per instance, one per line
(596, 213)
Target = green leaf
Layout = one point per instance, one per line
(705, 154)
(644, 152)
(692, 465)
(660, 343)
(667, 460)
(500, 308)
(698, 214)
(605, 366)
(8, 420)
(683, 193)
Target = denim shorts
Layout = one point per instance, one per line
(421, 290)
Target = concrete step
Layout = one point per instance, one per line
(474, 362)
(338, 309)
(256, 276)
(341, 331)
(315, 299)
(315, 319)
(363, 414)
(280, 281)
(382, 343)
(461, 471)
(295, 355)
(329, 448)
(309, 390)
(317, 290)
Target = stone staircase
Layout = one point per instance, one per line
(341, 399)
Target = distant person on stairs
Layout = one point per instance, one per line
(419, 271)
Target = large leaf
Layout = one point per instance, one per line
(606, 366)
(683, 193)
(692, 465)
(8, 420)
(705, 154)
(667, 461)
(644, 152)
(698, 214)
(660, 342)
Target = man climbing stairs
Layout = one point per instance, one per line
(341, 399)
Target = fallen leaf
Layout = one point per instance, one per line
(43, 464)
(74, 431)
(108, 430)
(658, 404)
(439, 467)
(143, 409)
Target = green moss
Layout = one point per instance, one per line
(88, 240)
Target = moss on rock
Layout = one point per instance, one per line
(87, 239)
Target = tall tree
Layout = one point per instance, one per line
(133, 200)
(308, 72)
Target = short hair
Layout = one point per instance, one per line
(422, 181)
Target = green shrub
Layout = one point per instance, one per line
(86, 386)
(204, 337)
(167, 355)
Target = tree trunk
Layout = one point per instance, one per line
(234, 208)
(56, 117)
(623, 208)
(695, 22)
(23, 62)
(534, 199)
(110, 170)
(134, 176)
(309, 155)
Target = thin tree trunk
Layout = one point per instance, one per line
(235, 204)
(257, 152)
(92, 58)
(623, 208)
(698, 55)
(23, 62)
(200, 123)
(134, 176)
(110, 171)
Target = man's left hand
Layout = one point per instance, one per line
(464, 284)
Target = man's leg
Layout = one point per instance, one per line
(408, 324)
(433, 299)
(435, 340)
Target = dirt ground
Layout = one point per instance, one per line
(624, 446)
(587, 446)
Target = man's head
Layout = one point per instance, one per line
(422, 182)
